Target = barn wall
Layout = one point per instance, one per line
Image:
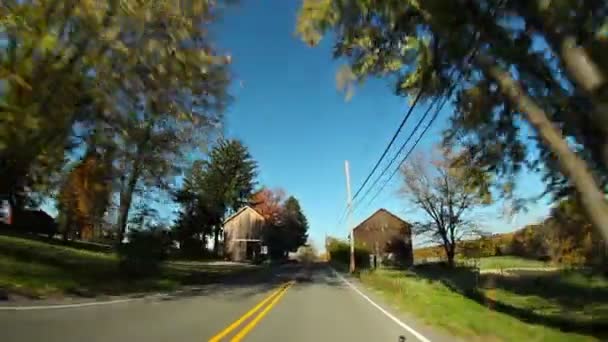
(246, 225)
(384, 233)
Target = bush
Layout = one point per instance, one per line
(192, 248)
(34, 221)
(144, 253)
(339, 251)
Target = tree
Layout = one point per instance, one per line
(513, 66)
(570, 237)
(295, 224)
(85, 195)
(268, 203)
(229, 181)
(286, 225)
(199, 212)
(447, 195)
(145, 69)
(215, 187)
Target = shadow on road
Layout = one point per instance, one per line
(258, 281)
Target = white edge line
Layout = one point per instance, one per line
(411, 330)
(64, 306)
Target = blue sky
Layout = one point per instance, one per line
(300, 129)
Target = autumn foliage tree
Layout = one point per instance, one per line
(85, 195)
(286, 225)
(571, 237)
(268, 202)
(144, 70)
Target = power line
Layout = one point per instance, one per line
(390, 144)
(435, 115)
(401, 148)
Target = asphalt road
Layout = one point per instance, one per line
(292, 303)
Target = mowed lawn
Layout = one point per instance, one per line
(37, 269)
(540, 306)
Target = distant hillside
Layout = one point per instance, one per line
(496, 244)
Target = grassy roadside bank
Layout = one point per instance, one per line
(548, 307)
(502, 262)
(36, 269)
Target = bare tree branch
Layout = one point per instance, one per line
(446, 194)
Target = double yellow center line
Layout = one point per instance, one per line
(267, 304)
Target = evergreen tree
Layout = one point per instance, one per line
(216, 187)
(295, 223)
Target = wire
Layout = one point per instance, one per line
(390, 144)
(401, 148)
(435, 115)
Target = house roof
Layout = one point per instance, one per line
(376, 213)
(240, 211)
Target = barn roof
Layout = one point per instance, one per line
(378, 212)
(240, 211)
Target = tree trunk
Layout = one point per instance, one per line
(216, 239)
(589, 76)
(126, 196)
(581, 67)
(572, 166)
(449, 250)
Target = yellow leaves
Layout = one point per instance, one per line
(5, 74)
(48, 42)
(411, 80)
(345, 79)
(543, 5)
(410, 44)
(314, 18)
(111, 33)
(119, 46)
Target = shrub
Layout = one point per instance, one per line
(339, 251)
(192, 248)
(144, 253)
(34, 221)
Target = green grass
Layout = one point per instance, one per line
(500, 312)
(501, 262)
(36, 269)
(572, 297)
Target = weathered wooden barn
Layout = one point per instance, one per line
(387, 237)
(243, 235)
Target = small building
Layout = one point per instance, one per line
(243, 235)
(387, 237)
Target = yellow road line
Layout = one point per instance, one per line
(248, 314)
(259, 317)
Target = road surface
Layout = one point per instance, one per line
(293, 303)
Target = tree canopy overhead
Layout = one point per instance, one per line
(135, 66)
(518, 70)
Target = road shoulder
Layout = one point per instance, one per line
(432, 334)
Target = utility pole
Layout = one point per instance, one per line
(349, 203)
